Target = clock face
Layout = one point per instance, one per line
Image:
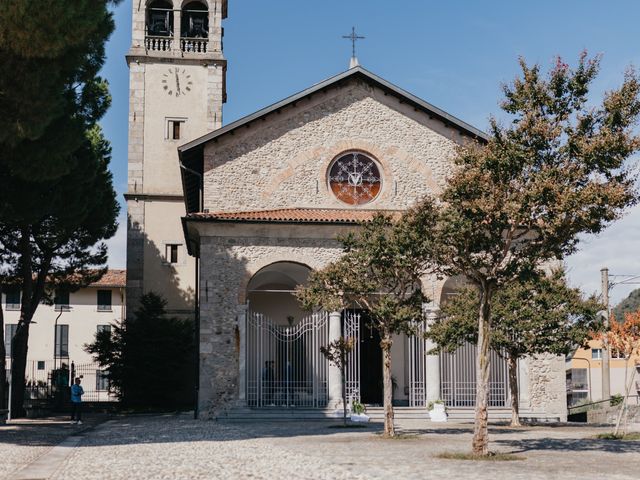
(176, 82)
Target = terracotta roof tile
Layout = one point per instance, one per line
(295, 215)
(113, 278)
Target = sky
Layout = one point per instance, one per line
(454, 54)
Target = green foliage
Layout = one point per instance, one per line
(336, 352)
(380, 272)
(358, 408)
(150, 358)
(628, 305)
(50, 55)
(540, 315)
(616, 399)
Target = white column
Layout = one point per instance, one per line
(242, 354)
(177, 27)
(433, 361)
(335, 379)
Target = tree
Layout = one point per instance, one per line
(624, 337)
(554, 172)
(57, 199)
(337, 352)
(628, 305)
(148, 358)
(541, 315)
(380, 271)
(56, 248)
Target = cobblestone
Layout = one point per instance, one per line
(176, 447)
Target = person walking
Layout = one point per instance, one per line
(76, 402)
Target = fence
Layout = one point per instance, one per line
(48, 383)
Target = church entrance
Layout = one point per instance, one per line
(283, 365)
(369, 357)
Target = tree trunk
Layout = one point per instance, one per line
(480, 443)
(623, 407)
(515, 396)
(19, 345)
(389, 428)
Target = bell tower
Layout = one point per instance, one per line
(176, 90)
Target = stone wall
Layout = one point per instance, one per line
(282, 162)
(227, 265)
(547, 387)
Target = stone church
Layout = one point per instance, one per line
(226, 221)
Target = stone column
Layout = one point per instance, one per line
(242, 354)
(177, 28)
(433, 361)
(335, 379)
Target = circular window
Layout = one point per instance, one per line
(354, 178)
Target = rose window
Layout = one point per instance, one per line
(354, 178)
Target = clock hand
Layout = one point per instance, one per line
(177, 85)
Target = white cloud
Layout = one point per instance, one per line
(615, 248)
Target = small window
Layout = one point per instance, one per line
(617, 354)
(102, 380)
(104, 328)
(62, 341)
(175, 129)
(61, 300)
(12, 298)
(171, 253)
(9, 333)
(104, 300)
(40, 364)
(596, 354)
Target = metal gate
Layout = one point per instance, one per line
(458, 374)
(284, 365)
(417, 366)
(351, 329)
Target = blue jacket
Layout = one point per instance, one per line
(76, 393)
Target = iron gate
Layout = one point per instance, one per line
(458, 374)
(417, 366)
(351, 329)
(284, 365)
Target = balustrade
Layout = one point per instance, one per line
(162, 44)
(194, 45)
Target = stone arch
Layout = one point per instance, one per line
(269, 291)
(259, 264)
(159, 18)
(194, 21)
(451, 286)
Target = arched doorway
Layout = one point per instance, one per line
(458, 368)
(284, 366)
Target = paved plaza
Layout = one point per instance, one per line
(177, 447)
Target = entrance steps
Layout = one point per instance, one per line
(283, 414)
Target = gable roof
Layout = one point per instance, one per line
(355, 72)
(191, 154)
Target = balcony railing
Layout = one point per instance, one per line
(159, 44)
(194, 45)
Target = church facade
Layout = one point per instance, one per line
(262, 201)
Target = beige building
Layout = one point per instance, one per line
(584, 375)
(59, 332)
(177, 87)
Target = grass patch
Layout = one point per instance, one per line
(626, 436)
(491, 457)
(348, 426)
(399, 436)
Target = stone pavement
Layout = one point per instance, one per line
(177, 447)
(23, 441)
